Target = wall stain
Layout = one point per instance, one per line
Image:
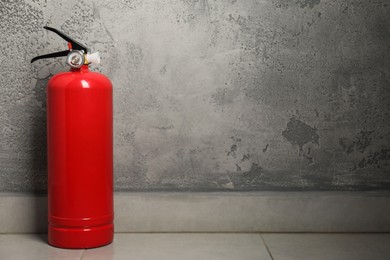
(360, 143)
(301, 3)
(163, 70)
(317, 113)
(233, 147)
(307, 3)
(245, 157)
(233, 150)
(235, 139)
(265, 148)
(281, 4)
(308, 156)
(300, 133)
(375, 158)
(253, 176)
(164, 128)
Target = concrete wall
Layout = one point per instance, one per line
(231, 95)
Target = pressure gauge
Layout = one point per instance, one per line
(75, 59)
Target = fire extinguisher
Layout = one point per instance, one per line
(80, 153)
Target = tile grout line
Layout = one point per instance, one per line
(82, 255)
(266, 246)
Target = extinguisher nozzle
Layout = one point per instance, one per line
(93, 58)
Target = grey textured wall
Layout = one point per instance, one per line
(212, 95)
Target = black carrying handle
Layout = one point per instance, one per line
(75, 46)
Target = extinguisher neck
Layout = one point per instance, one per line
(83, 68)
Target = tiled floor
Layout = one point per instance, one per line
(208, 247)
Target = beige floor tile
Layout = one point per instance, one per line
(328, 246)
(33, 247)
(182, 246)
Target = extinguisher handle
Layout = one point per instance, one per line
(51, 55)
(73, 45)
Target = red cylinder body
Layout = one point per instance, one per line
(80, 159)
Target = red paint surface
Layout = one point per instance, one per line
(80, 159)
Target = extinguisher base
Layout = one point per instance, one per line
(80, 238)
